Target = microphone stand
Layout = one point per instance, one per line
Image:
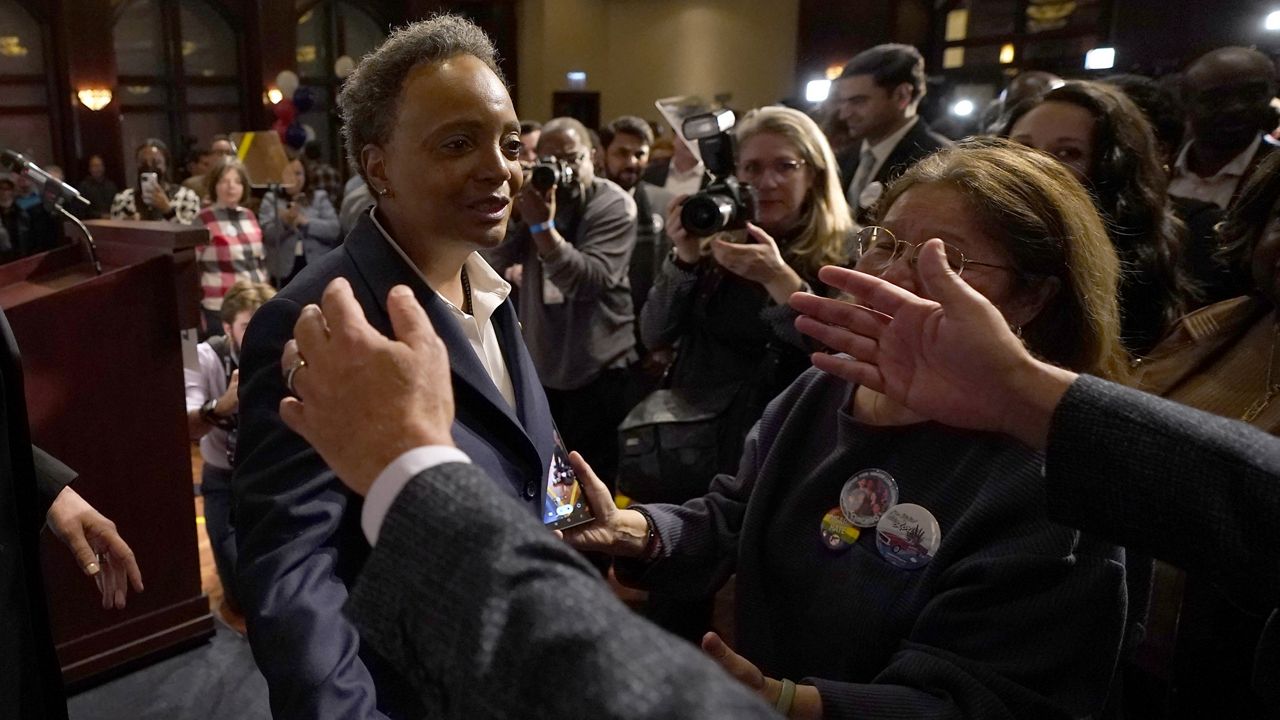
(54, 198)
(88, 237)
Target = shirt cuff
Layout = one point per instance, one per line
(395, 476)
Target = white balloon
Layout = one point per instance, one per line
(287, 81)
(311, 132)
(343, 66)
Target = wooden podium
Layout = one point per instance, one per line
(102, 361)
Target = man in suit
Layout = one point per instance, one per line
(627, 141)
(1119, 463)
(876, 97)
(486, 612)
(431, 128)
(1228, 95)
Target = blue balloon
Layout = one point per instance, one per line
(295, 136)
(304, 99)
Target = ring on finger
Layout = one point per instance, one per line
(294, 367)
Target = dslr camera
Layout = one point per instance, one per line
(551, 172)
(723, 203)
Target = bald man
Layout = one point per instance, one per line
(1228, 93)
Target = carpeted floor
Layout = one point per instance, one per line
(216, 681)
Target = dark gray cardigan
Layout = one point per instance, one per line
(1016, 616)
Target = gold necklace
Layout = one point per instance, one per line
(1270, 390)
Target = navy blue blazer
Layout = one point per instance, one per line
(298, 527)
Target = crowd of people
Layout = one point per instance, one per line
(889, 559)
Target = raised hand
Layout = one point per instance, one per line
(364, 399)
(949, 356)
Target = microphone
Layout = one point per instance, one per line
(19, 164)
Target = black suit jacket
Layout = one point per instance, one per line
(491, 616)
(919, 142)
(30, 676)
(298, 528)
(1193, 489)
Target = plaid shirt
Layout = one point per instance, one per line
(234, 252)
(185, 204)
(327, 178)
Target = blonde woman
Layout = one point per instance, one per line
(725, 302)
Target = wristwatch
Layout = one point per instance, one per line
(208, 414)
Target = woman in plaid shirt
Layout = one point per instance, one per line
(235, 250)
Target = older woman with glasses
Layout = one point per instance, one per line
(892, 566)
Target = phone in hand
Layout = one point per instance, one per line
(148, 184)
(563, 503)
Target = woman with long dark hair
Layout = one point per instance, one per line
(1107, 142)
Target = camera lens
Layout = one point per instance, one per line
(707, 213)
(544, 176)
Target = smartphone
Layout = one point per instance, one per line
(563, 503)
(149, 182)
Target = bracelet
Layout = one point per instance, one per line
(786, 698)
(652, 542)
(547, 226)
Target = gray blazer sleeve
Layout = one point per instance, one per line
(1194, 489)
(491, 616)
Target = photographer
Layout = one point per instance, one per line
(573, 251)
(725, 301)
(213, 406)
(298, 225)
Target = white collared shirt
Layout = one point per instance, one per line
(1218, 188)
(684, 183)
(883, 149)
(488, 291)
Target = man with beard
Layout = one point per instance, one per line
(1228, 93)
(627, 141)
(575, 249)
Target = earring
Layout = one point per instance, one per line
(1017, 331)
(384, 192)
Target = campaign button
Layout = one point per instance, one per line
(837, 532)
(908, 536)
(867, 495)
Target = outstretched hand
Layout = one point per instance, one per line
(949, 356)
(364, 399)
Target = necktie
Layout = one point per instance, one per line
(861, 178)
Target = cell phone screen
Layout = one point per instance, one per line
(563, 504)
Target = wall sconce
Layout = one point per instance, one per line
(274, 95)
(95, 98)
